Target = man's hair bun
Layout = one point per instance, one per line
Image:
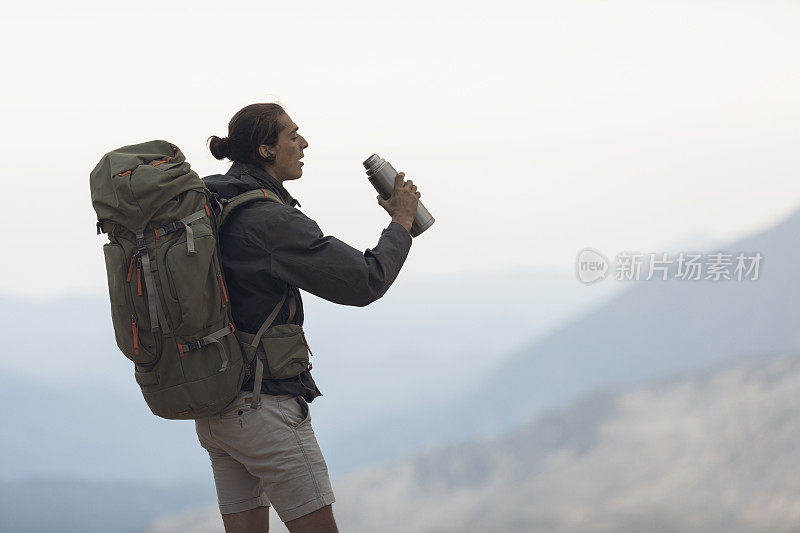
(220, 148)
(249, 129)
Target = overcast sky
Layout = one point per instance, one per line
(532, 129)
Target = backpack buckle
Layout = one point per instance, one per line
(171, 227)
(166, 229)
(140, 245)
(195, 345)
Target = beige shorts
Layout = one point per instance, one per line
(267, 456)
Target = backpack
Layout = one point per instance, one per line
(169, 304)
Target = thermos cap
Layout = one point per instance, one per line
(373, 162)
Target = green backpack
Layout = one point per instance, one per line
(169, 303)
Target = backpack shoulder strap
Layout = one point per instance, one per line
(231, 205)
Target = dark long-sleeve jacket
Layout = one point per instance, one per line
(266, 246)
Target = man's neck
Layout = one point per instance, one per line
(260, 173)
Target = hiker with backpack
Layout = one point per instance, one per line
(204, 279)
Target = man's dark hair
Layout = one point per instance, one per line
(249, 128)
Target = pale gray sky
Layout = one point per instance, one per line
(532, 129)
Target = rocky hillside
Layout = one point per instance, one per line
(711, 453)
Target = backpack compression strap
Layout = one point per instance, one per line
(154, 304)
(212, 338)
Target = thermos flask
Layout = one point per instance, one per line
(382, 174)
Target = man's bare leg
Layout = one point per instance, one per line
(252, 521)
(320, 521)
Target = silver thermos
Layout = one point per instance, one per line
(382, 174)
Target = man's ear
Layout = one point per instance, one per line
(264, 151)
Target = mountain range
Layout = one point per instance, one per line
(649, 330)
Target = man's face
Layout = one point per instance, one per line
(288, 152)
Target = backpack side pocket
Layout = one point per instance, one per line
(138, 345)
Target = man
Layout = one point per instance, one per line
(269, 455)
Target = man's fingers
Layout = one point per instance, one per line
(398, 180)
(381, 201)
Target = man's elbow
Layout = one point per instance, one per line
(366, 299)
(367, 295)
(368, 289)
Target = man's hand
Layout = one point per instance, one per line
(402, 204)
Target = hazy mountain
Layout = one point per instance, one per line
(73, 408)
(657, 328)
(715, 452)
(90, 431)
(64, 505)
(650, 330)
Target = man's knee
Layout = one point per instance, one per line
(319, 521)
(252, 521)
